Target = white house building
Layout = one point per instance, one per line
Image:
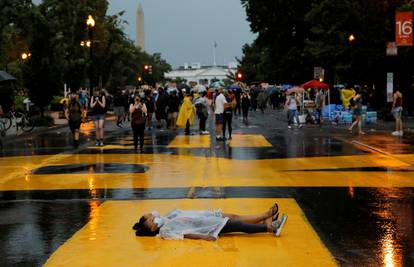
(203, 74)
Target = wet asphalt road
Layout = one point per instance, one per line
(361, 226)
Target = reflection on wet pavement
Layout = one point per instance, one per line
(92, 168)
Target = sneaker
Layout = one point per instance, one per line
(97, 143)
(218, 138)
(401, 133)
(300, 126)
(205, 132)
(101, 143)
(396, 133)
(278, 225)
(289, 127)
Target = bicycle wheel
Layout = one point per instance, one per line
(7, 122)
(27, 124)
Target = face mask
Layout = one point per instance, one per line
(159, 221)
(155, 213)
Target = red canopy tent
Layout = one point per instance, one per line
(315, 84)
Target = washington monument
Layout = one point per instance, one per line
(140, 42)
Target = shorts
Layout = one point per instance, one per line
(98, 117)
(74, 125)
(397, 112)
(119, 111)
(219, 118)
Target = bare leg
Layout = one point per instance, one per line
(254, 219)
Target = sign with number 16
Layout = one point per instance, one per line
(404, 28)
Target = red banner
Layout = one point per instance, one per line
(404, 28)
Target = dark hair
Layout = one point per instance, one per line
(142, 230)
(203, 94)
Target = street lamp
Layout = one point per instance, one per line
(26, 56)
(351, 38)
(90, 22)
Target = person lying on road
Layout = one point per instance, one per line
(208, 225)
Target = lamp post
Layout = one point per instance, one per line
(90, 23)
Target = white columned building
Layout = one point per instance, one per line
(203, 74)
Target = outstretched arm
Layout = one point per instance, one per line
(203, 237)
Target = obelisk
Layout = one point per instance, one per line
(140, 43)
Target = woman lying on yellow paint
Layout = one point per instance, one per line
(208, 225)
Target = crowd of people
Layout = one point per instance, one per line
(173, 107)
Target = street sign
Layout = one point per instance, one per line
(404, 28)
(390, 86)
(392, 49)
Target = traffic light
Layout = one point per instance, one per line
(239, 76)
(147, 68)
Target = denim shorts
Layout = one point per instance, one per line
(219, 118)
(98, 117)
(397, 112)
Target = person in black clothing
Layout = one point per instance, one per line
(228, 114)
(237, 110)
(119, 109)
(73, 113)
(173, 108)
(245, 104)
(149, 103)
(161, 107)
(98, 105)
(138, 112)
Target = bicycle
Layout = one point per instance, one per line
(19, 119)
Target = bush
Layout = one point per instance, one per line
(45, 121)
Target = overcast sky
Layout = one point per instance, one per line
(184, 31)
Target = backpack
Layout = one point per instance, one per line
(138, 117)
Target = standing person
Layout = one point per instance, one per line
(219, 113)
(73, 113)
(397, 109)
(356, 104)
(237, 94)
(161, 107)
(83, 101)
(228, 114)
(320, 105)
(292, 103)
(98, 105)
(119, 107)
(201, 105)
(262, 99)
(149, 103)
(245, 104)
(173, 108)
(138, 112)
(186, 115)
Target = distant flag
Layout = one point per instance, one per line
(215, 44)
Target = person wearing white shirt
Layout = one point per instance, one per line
(219, 113)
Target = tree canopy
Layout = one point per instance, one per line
(52, 33)
(296, 36)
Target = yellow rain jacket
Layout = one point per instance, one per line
(186, 113)
(346, 95)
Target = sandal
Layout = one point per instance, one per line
(275, 209)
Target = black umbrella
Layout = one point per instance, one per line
(5, 77)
